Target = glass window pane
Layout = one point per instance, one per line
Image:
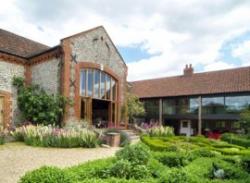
(97, 84)
(193, 105)
(182, 105)
(102, 85)
(90, 82)
(168, 106)
(108, 83)
(213, 105)
(83, 83)
(152, 110)
(113, 85)
(235, 104)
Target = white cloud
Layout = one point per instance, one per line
(243, 53)
(174, 32)
(219, 65)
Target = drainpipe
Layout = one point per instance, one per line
(199, 116)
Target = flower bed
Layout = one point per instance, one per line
(48, 136)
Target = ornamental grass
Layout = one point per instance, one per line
(50, 136)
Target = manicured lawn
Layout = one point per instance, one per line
(160, 159)
(17, 158)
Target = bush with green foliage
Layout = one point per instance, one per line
(202, 170)
(2, 136)
(161, 131)
(132, 107)
(184, 144)
(46, 175)
(196, 160)
(172, 159)
(245, 162)
(131, 162)
(245, 119)
(49, 136)
(125, 169)
(240, 140)
(37, 106)
(175, 175)
(137, 154)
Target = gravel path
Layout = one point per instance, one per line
(17, 158)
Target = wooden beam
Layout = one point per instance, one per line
(160, 111)
(200, 116)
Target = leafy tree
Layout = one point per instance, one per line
(133, 107)
(37, 106)
(245, 118)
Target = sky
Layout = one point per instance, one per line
(155, 38)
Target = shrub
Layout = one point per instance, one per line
(2, 136)
(172, 159)
(125, 169)
(241, 140)
(156, 143)
(92, 169)
(175, 175)
(156, 168)
(246, 163)
(121, 169)
(161, 131)
(117, 180)
(202, 152)
(137, 154)
(37, 106)
(140, 172)
(48, 136)
(46, 175)
(202, 170)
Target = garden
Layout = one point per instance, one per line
(160, 157)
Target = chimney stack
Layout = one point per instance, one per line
(188, 70)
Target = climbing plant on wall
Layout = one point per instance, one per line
(37, 106)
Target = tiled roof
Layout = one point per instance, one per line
(18, 45)
(224, 81)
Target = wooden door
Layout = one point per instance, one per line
(1, 112)
(86, 109)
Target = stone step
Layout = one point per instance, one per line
(132, 135)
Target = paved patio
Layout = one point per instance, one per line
(17, 158)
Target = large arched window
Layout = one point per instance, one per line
(98, 84)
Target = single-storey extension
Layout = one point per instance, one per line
(194, 103)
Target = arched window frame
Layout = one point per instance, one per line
(107, 85)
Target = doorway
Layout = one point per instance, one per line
(1, 112)
(100, 113)
(186, 128)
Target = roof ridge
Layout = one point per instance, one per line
(17, 35)
(197, 73)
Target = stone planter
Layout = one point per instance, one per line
(113, 139)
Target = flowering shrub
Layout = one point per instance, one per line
(161, 131)
(49, 136)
